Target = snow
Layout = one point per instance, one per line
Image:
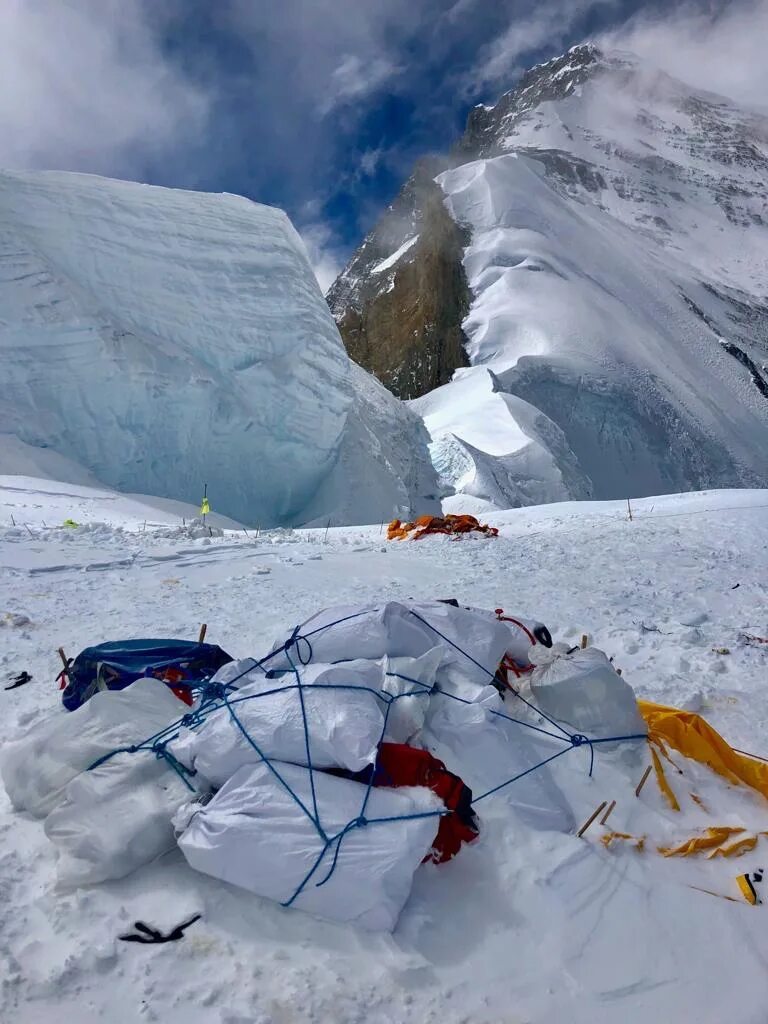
(390, 261)
(554, 926)
(495, 447)
(579, 290)
(156, 340)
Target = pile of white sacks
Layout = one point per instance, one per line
(249, 821)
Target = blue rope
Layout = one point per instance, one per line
(275, 772)
(305, 726)
(216, 696)
(500, 714)
(491, 675)
(521, 775)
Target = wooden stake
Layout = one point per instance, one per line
(325, 538)
(618, 671)
(13, 521)
(584, 640)
(29, 531)
(63, 657)
(203, 631)
(629, 509)
(643, 780)
(591, 818)
(608, 812)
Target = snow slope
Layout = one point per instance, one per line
(162, 339)
(525, 925)
(617, 263)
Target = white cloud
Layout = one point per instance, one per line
(548, 24)
(723, 52)
(326, 261)
(354, 79)
(85, 86)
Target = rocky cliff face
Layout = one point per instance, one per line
(597, 289)
(400, 303)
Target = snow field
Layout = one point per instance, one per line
(524, 925)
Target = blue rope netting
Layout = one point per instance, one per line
(215, 697)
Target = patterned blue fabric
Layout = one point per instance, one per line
(117, 664)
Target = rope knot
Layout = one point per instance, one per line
(361, 822)
(578, 739)
(212, 691)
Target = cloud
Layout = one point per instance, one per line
(85, 86)
(354, 79)
(370, 160)
(720, 50)
(550, 24)
(325, 259)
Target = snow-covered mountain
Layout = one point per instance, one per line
(156, 340)
(615, 306)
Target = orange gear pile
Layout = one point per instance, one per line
(425, 525)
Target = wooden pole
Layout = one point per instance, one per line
(643, 780)
(629, 509)
(29, 531)
(608, 812)
(591, 818)
(203, 631)
(584, 640)
(63, 657)
(325, 538)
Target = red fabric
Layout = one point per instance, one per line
(184, 693)
(401, 765)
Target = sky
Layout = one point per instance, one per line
(320, 107)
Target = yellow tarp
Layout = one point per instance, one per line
(661, 778)
(711, 839)
(695, 738)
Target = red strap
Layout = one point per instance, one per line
(508, 618)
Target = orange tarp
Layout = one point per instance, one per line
(425, 525)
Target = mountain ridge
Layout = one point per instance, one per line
(643, 205)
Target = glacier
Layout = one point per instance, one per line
(162, 340)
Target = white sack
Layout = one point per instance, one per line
(114, 819)
(393, 630)
(345, 726)
(486, 751)
(583, 690)
(519, 642)
(36, 768)
(414, 677)
(254, 835)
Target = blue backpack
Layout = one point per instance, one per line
(181, 664)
